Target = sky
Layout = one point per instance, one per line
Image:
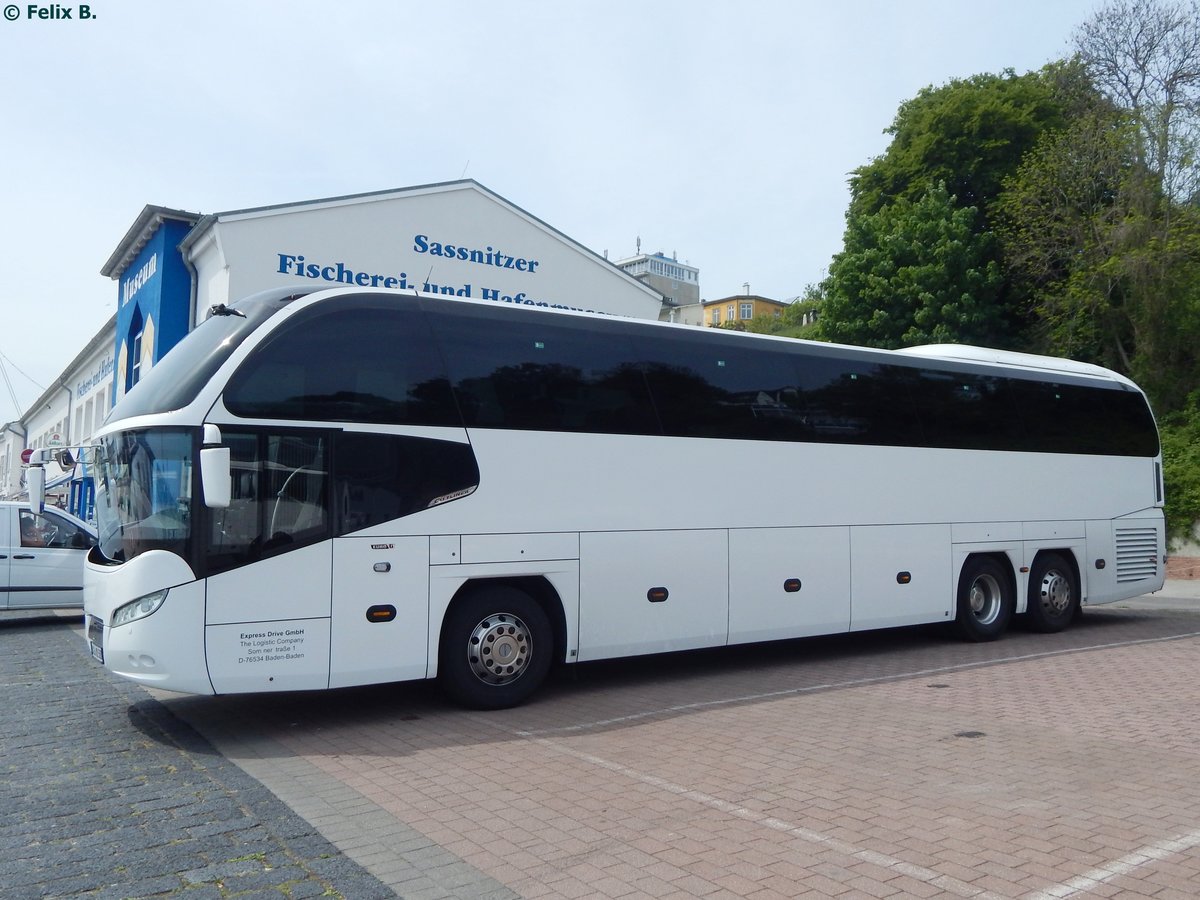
(720, 132)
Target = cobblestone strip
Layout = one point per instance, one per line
(413, 865)
(106, 794)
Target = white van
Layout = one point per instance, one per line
(41, 557)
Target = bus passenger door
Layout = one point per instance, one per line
(652, 591)
(380, 610)
(788, 582)
(267, 624)
(900, 575)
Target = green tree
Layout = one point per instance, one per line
(1093, 232)
(914, 272)
(1078, 200)
(1181, 468)
(1111, 269)
(969, 134)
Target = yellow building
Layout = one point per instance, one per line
(740, 309)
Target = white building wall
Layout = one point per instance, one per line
(691, 314)
(66, 414)
(416, 238)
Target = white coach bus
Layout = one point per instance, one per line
(346, 487)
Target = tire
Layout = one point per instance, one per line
(1053, 593)
(517, 644)
(986, 600)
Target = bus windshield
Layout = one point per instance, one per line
(144, 492)
(193, 362)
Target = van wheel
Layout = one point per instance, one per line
(495, 649)
(1053, 593)
(985, 600)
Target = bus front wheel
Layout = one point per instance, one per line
(495, 648)
(1053, 593)
(986, 600)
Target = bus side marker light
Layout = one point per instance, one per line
(1100, 564)
(381, 613)
(657, 594)
(903, 577)
(383, 567)
(792, 585)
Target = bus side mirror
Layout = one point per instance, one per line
(35, 479)
(215, 478)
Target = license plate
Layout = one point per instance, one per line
(95, 638)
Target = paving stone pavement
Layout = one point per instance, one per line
(105, 794)
(878, 765)
(886, 764)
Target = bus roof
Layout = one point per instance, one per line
(1012, 359)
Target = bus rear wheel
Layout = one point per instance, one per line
(1053, 593)
(986, 600)
(495, 648)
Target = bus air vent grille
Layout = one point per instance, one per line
(1137, 554)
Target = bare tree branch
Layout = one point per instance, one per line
(1145, 56)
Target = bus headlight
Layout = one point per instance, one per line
(137, 609)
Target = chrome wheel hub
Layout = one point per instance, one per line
(1055, 592)
(499, 649)
(985, 599)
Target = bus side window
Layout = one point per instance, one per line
(280, 496)
(858, 401)
(365, 360)
(723, 388)
(1064, 418)
(381, 477)
(539, 374)
(967, 411)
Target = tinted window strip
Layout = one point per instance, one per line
(526, 370)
